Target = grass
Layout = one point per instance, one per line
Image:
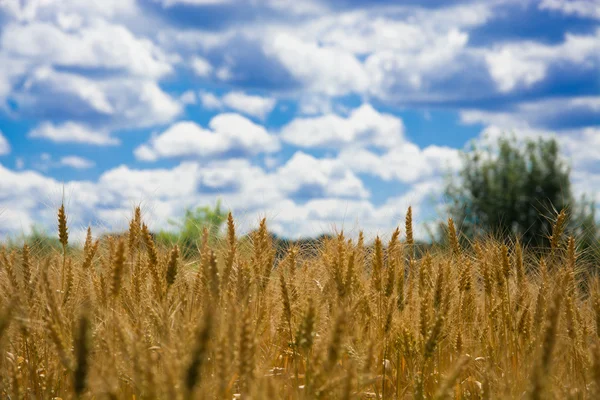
(125, 318)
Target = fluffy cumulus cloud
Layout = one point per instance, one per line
(325, 69)
(406, 163)
(27, 10)
(583, 146)
(363, 127)
(327, 178)
(256, 106)
(105, 202)
(114, 102)
(327, 215)
(358, 135)
(31, 192)
(390, 53)
(100, 45)
(527, 63)
(228, 134)
(78, 60)
(391, 69)
(251, 105)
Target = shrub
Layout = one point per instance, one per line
(190, 228)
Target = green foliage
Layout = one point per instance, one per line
(190, 227)
(516, 187)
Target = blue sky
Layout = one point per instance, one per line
(313, 113)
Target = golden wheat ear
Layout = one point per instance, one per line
(63, 233)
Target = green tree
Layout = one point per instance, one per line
(190, 227)
(516, 187)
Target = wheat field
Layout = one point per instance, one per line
(123, 318)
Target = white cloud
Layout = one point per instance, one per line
(397, 52)
(45, 84)
(28, 10)
(255, 106)
(405, 163)
(324, 69)
(503, 119)
(76, 162)
(390, 69)
(582, 147)
(11, 73)
(201, 66)
(80, 61)
(100, 45)
(580, 8)
(526, 63)
(160, 183)
(228, 134)
(404, 30)
(210, 101)
(312, 104)
(4, 145)
(107, 202)
(328, 177)
(166, 193)
(364, 126)
(26, 191)
(141, 103)
(72, 132)
(401, 51)
(14, 222)
(326, 215)
(509, 67)
(305, 7)
(388, 52)
(293, 6)
(247, 189)
(117, 102)
(188, 97)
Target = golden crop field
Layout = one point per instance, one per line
(124, 318)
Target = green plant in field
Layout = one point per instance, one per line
(191, 226)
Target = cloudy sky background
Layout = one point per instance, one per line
(313, 113)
